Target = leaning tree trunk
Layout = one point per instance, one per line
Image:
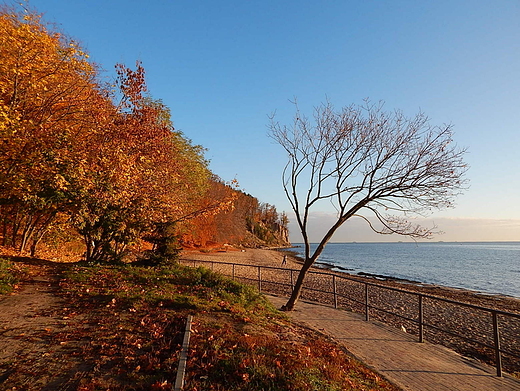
(297, 290)
(309, 261)
(40, 232)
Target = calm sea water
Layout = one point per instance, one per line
(490, 267)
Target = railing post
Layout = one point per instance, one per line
(233, 271)
(367, 316)
(212, 266)
(292, 280)
(496, 334)
(421, 320)
(334, 290)
(259, 279)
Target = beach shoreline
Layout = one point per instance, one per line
(455, 319)
(273, 257)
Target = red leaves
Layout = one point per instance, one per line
(66, 148)
(131, 83)
(161, 385)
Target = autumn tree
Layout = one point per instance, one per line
(367, 161)
(47, 86)
(212, 218)
(69, 144)
(241, 220)
(101, 157)
(144, 173)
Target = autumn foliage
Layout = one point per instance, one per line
(244, 222)
(98, 160)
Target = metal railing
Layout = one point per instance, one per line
(362, 296)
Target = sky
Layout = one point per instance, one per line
(223, 67)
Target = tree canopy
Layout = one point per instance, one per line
(100, 157)
(365, 160)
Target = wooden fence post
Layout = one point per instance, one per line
(367, 316)
(421, 320)
(496, 334)
(334, 290)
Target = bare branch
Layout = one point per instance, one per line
(362, 157)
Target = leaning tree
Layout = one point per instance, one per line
(367, 161)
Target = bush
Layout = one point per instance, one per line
(9, 276)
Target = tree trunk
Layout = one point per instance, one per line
(309, 261)
(27, 233)
(40, 231)
(297, 290)
(4, 231)
(88, 247)
(14, 229)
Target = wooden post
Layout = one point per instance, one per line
(183, 359)
(496, 334)
(367, 316)
(421, 320)
(334, 290)
(259, 279)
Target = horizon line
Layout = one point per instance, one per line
(416, 242)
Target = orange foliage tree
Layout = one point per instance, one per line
(107, 161)
(46, 89)
(203, 226)
(147, 174)
(245, 221)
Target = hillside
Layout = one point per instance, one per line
(245, 223)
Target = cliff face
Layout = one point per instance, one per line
(248, 223)
(263, 234)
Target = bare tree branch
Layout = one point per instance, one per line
(364, 158)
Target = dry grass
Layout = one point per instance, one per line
(121, 329)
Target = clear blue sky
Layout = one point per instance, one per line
(224, 66)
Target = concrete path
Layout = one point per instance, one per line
(398, 356)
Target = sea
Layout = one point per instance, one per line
(487, 267)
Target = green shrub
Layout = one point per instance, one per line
(9, 276)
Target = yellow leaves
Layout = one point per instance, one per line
(60, 182)
(67, 138)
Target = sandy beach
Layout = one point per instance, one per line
(469, 322)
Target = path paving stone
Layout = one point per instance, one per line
(397, 355)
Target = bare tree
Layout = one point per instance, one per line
(364, 159)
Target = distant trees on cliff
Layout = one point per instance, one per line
(247, 222)
(78, 154)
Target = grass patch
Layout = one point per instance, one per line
(125, 326)
(10, 275)
(174, 287)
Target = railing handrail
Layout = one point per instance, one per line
(425, 295)
(421, 296)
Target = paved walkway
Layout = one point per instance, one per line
(397, 355)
